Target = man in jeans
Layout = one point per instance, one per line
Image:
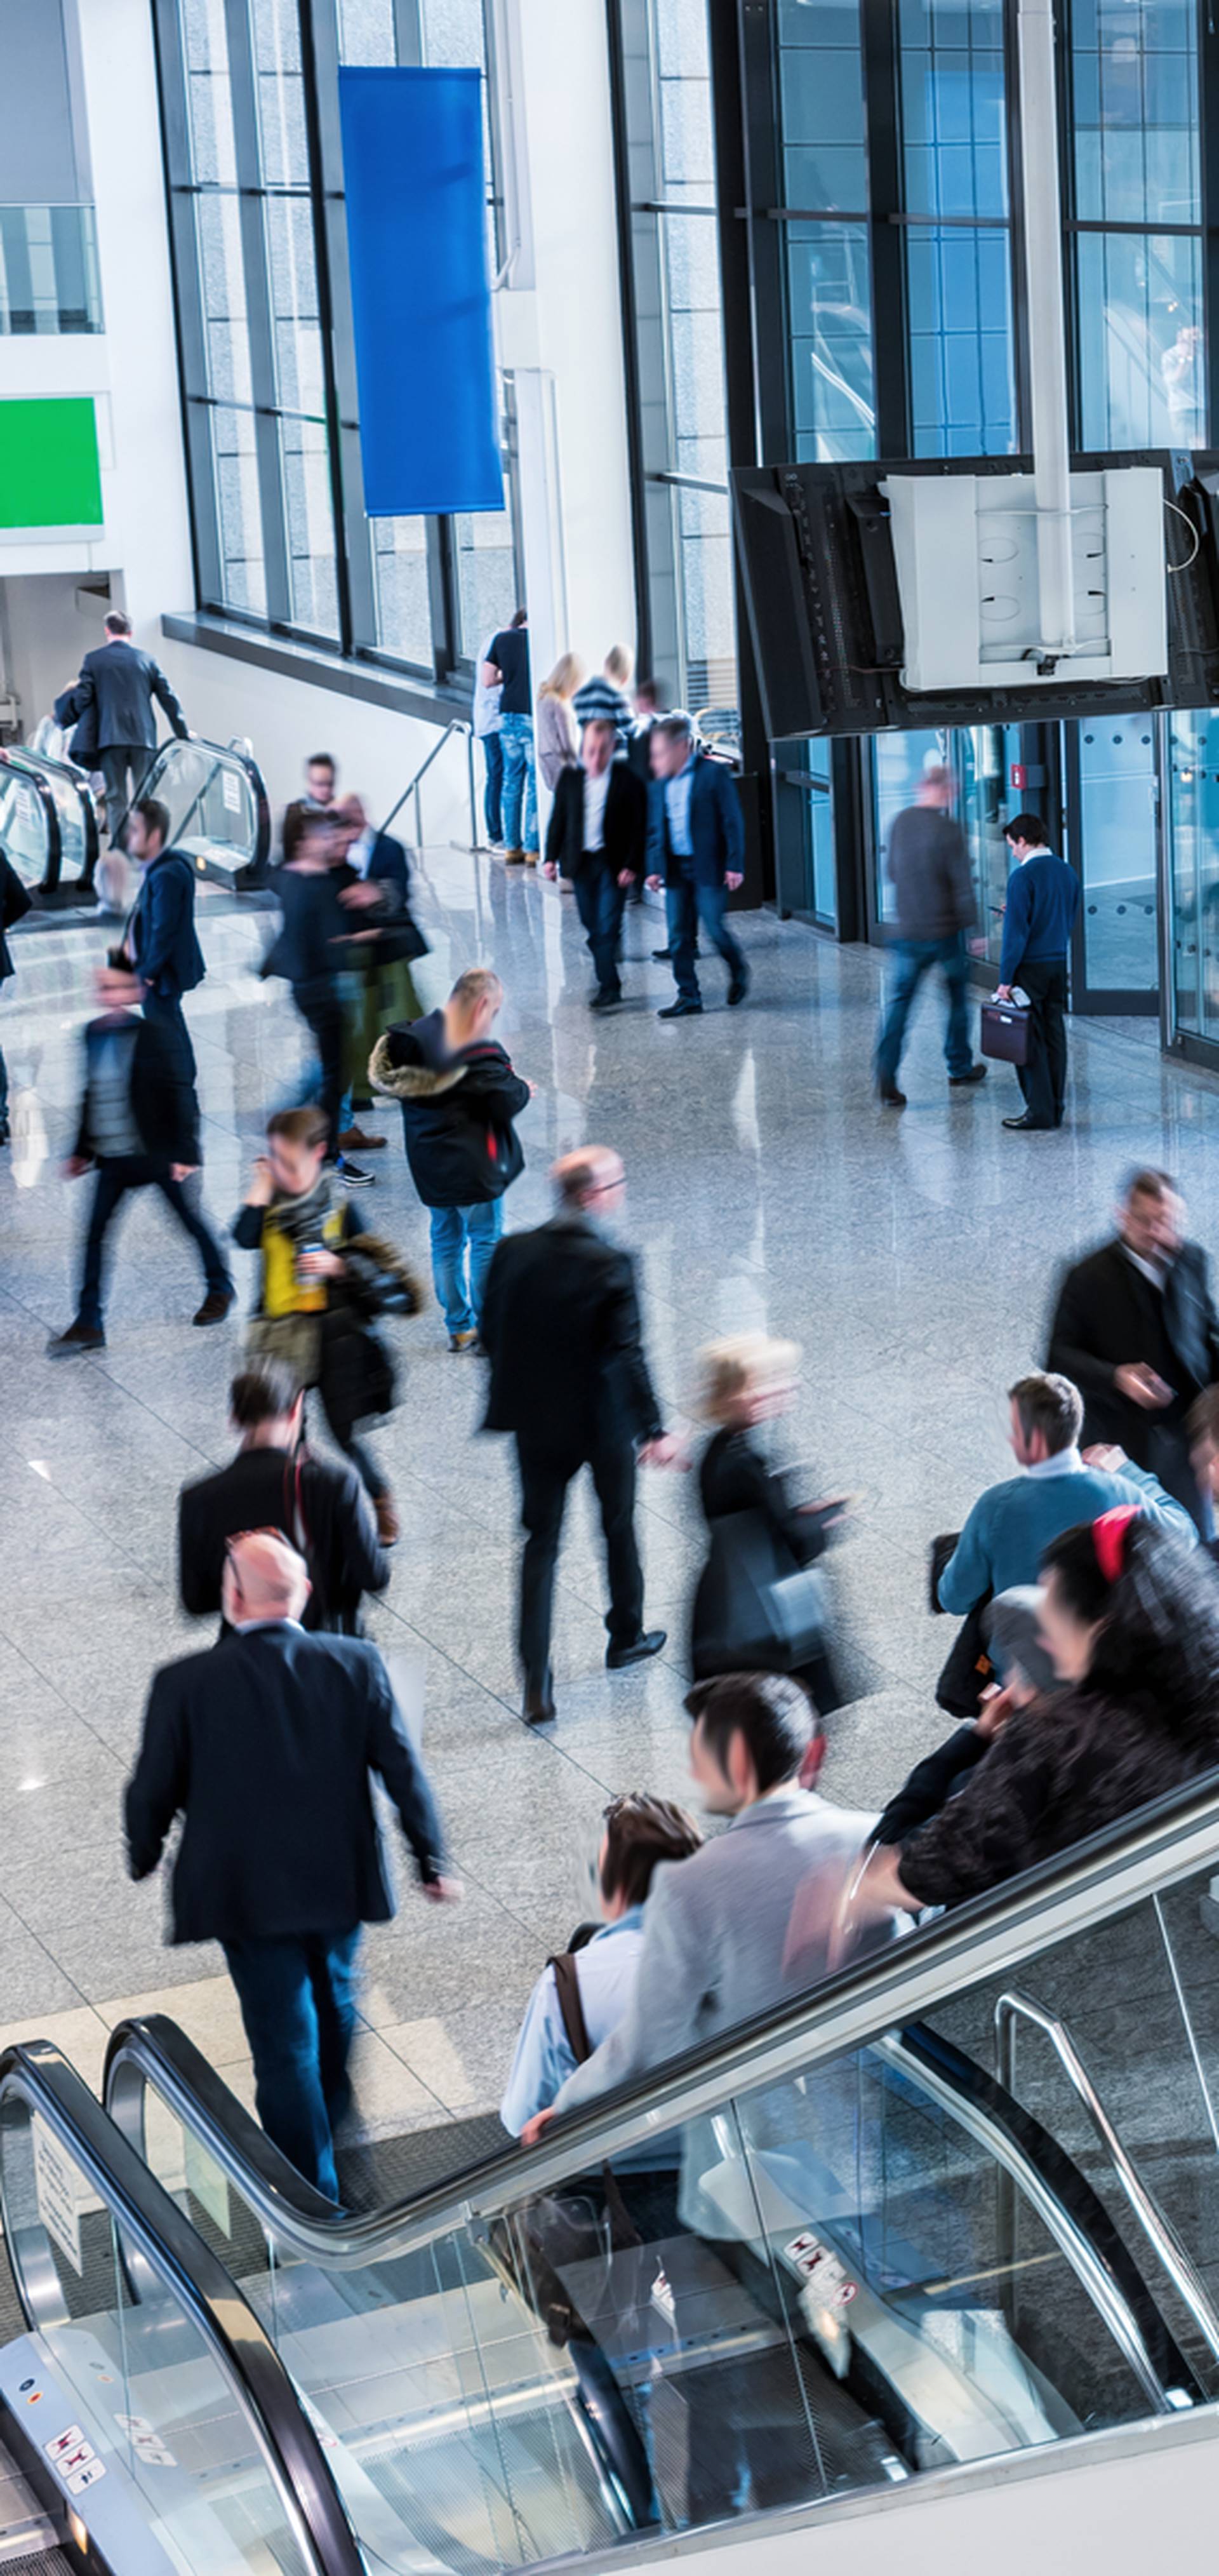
(507, 669)
(459, 1098)
(264, 1744)
(928, 868)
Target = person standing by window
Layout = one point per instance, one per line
(558, 743)
(1042, 901)
(507, 668)
(485, 715)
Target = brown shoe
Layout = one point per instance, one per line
(216, 1305)
(354, 1141)
(514, 858)
(389, 1527)
(532, 857)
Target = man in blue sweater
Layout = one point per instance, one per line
(1042, 901)
(1003, 1538)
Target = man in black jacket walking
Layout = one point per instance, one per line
(161, 941)
(459, 1097)
(112, 704)
(274, 1483)
(264, 1744)
(139, 1127)
(1135, 1327)
(596, 836)
(570, 1379)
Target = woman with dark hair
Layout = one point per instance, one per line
(1130, 1617)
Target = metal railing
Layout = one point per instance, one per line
(414, 785)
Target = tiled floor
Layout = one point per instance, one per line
(912, 1257)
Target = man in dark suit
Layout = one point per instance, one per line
(1136, 1329)
(138, 1128)
(596, 837)
(112, 702)
(160, 941)
(696, 850)
(320, 1506)
(264, 1745)
(560, 1324)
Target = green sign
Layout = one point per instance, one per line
(49, 471)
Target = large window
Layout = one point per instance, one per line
(958, 255)
(679, 348)
(1134, 110)
(250, 104)
(823, 168)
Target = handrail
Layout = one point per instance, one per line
(456, 724)
(34, 763)
(49, 879)
(240, 753)
(898, 1983)
(287, 2441)
(1012, 2008)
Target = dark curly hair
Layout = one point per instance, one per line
(1157, 1648)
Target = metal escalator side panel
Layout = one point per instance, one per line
(1074, 2213)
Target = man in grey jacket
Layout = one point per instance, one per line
(715, 1944)
(928, 868)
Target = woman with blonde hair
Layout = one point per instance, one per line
(558, 746)
(758, 1607)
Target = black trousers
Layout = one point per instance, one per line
(167, 1012)
(322, 1013)
(544, 1482)
(118, 1173)
(599, 902)
(1043, 1080)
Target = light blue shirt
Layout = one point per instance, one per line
(1007, 1529)
(677, 808)
(605, 1973)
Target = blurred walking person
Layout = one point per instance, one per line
(696, 850)
(596, 838)
(928, 868)
(274, 1482)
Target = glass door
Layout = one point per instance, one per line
(1113, 805)
(1191, 764)
(806, 877)
(987, 758)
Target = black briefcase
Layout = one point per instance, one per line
(1005, 1031)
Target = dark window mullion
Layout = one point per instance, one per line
(1208, 130)
(260, 323)
(441, 576)
(320, 59)
(890, 330)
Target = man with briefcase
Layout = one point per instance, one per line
(1042, 901)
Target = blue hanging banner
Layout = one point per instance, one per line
(421, 299)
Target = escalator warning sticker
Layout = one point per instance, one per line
(816, 2263)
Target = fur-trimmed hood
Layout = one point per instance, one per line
(411, 1081)
(457, 1110)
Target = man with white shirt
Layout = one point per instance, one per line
(596, 835)
(578, 1998)
(1002, 1541)
(1135, 1327)
(264, 1744)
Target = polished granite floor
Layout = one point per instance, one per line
(911, 1256)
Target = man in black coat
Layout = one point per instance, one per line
(14, 903)
(1136, 1329)
(264, 1745)
(112, 705)
(161, 942)
(317, 1504)
(459, 1099)
(138, 1127)
(570, 1379)
(596, 836)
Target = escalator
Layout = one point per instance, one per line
(48, 826)
(838, 2259)
(218, 809)
(51, 830)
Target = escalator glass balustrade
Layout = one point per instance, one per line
(852, 2248)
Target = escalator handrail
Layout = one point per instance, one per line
(287, 2442)
(237, 753)
(899, 1983)
(54, 860)
(1070, 2208)
(77, 778)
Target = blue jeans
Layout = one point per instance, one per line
(912, 959)
(520, 786)
(686, 905)
(298, 2004)
(493, 757)
(599, 902)
(463, 1240)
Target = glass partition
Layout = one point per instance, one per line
(48, 824)
(1193, 880)
(217, 803)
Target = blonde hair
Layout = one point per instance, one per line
(744, 1364)
(619, 664)
(565, 678)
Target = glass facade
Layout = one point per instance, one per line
(670, 186)
(1134, 88)
(823, 167)
(953, 107)
(249, 96)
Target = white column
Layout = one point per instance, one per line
(1046, 323)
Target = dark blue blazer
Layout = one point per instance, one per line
(389, 866)
(264, 1743)
(717, 833)
(112, 701)
(162, 941)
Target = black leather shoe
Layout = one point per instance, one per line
(664, 956)
(618, 1657)
(680, 1010)
(976, 1073)
(604, 1001)
(891, 1097)
(79, 1337)
(737, 990)
(537, 1711)
(1029, 1126)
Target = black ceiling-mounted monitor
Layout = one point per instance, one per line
(821, 573)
